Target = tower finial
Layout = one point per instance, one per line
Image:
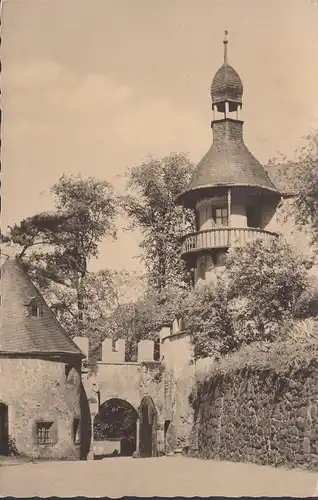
(225, 41)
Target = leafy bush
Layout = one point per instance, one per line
(258, 293)
(296, 350)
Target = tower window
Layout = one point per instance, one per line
(220, 216)
(44, 434)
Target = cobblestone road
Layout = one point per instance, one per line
(165, 476)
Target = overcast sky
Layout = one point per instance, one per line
(94, 86)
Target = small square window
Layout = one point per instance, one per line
(221, 217)
(44, 434)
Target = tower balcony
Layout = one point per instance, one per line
(223, 237)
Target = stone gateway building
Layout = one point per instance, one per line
(42, 402)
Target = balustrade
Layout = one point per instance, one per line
(224, 237)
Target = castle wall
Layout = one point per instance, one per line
(261, 417)
(179, 379)
(120, 380)
(38, 390)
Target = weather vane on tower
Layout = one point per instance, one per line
(225, 41)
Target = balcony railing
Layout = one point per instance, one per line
(224, 237)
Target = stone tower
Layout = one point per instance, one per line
(234, 200)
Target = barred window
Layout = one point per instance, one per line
(44, 433)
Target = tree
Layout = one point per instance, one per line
(300, 178)
(268, 279)
(206, 314)
(116, 419)
(99, 299)
(260, 291)
(56, 247)
(151, 207)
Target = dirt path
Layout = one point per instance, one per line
(165, 476)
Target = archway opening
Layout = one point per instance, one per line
(4, 430)
(115, 429)
(148, 428)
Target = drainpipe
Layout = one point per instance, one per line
(229, 196)
(137, 436)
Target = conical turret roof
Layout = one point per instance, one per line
(227, 163)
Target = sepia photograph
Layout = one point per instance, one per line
(159, 248)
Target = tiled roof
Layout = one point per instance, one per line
(227, 163)
(20, 333)
(227, 85)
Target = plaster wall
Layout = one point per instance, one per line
(39, 390)
(269, 218)
(238, 215)
(119, 380)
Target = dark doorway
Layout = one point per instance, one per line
(4, 434)
(115, 422)
(148, 428)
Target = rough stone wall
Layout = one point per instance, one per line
(39, 389)
(258, 417)
(152, 385)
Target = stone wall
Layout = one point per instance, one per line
(152, 385)
(258, 417)
(38, 390)
(120, 381)
(179, 375)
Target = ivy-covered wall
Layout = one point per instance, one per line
(258, 416)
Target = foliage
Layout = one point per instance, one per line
(300, 177)
(56, 248)
(116, 419)
(258, 292)
(99, 299)
(295, 350)
(151, 207)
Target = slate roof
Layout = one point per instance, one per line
(227, 85)
(228, 163)
(21, 333)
